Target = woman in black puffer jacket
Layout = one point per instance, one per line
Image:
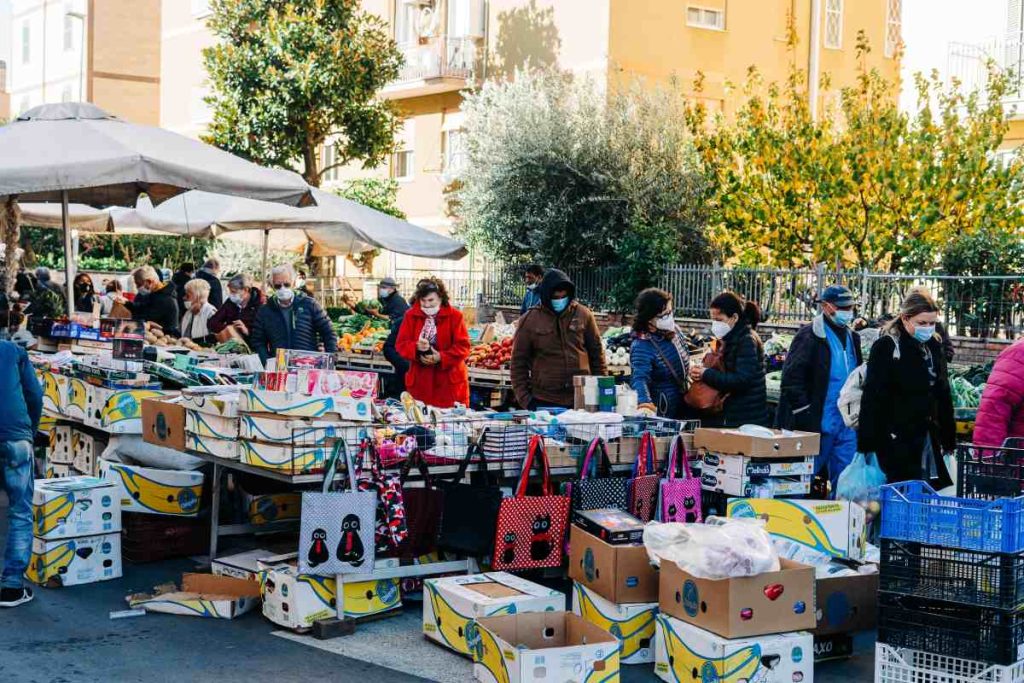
(746, 402)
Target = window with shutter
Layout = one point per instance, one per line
(834, 24)
(704, 17)
(893, 27)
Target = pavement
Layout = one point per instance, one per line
(66, 635)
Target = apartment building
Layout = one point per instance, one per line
(101, 51)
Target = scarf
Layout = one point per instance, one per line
(429, 331)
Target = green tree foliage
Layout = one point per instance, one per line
(286, 75)
(865, 185)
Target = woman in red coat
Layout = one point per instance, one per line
(434, 339)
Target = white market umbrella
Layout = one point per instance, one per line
(76, 152)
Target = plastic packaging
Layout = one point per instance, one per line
(861, 482)
(718, 549)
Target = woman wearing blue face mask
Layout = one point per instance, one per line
(906, 412)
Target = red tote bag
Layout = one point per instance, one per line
(531, 529)
(643, 487)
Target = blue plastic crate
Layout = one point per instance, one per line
(912, 511)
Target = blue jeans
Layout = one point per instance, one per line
(16, 457)
(837, 451)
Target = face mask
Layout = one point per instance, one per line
(383, 293)
(665, 323)
(719, 329)
(532, 286)
(236, 299)
(430, 310)
(560, 305)
(842, 318)
(143, 290)
(285, 295)
(923, 333)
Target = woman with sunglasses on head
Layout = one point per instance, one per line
(290, 320)
(658, 358)
(434, 340)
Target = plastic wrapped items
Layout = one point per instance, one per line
(861, 482)
(719, 549)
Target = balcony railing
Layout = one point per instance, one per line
(968, 63)
(444, 57)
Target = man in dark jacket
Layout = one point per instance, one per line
(155, 301)
(290, 320)
(211, 273)
(393, 305)
(821, 358)
(394, 384)
(180, 278)
(19, 421)
(534, 274)
(554, 342)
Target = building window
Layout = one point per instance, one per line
(200, 8)
(26, 42)
(454, 144)
(834, 24)
(893, 26)
(329, 159)
(703, 17)
(402, 165)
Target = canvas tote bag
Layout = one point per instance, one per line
(680, 495)
(470, 513)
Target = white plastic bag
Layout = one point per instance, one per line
(718, 549)
(132, 450)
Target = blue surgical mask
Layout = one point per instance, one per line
(842, 318)
(559, 305)
(923, 333)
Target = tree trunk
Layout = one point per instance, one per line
(310, 159)
(10, 228)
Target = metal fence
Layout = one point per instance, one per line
(983, 306)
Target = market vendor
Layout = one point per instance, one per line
(239, 311)
(554, 342)
(393, 306)
(290, 320)
(155, 301)
(820, 359)
(434, 339)
(658, 358)
(198, 311)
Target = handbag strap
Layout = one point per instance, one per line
(536, 447)
(473, 450)
(332, 467)
(678, 443)
(646, 457)
(604, 466)
(370, 453)
(416, 458)
(683, 383)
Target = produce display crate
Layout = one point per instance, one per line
(989, 473)
(915, 512)
(902, 665)
(965, 631)
(935, 572)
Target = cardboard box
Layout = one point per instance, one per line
(163, 423)
(611, 525)
(782, 444)
(60, 451)
(119, 411)
(834, 527)
(744, 466)
(74, 506)
(450, 604)
(292, 404)
(296, 601)
(632, 624)
(680, 649)
(833, 646)
(846, 603)
(85, 453)
(215, 426)
(242, 565)
(623, 451)
(74, 403)
(222, 401)
(772, 602)
(544, 646)
(57, 471)
(74, 561)
(265, 508)
(52, 392)
(618, 573)
(201, 595)
(221, 448)
(287, 458)
(759, 487)
(159, 492)
(297, 430)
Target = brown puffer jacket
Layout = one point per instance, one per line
(550, 349)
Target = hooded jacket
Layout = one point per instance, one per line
(301, 326)
(160, 307)
(551, 348)
(1001, 413)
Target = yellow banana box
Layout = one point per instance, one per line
(47, 423)
(158, 492)
(216, 426)
(685, 653)
(85, 453)
(452, 604)
(52, 392)
(632, 624)
(220, 401)
(292, 404)
(286, 457)
(57, 471)
(201, 595)
(265, 508)
(221, 448)
(61, 448)
(832, 527)
(118, 411)
(74, 561)
(74, 506)
(74, 398)
(298, 430)
(295, 601)
(544, 646)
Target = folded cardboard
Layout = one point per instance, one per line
(119, 411)
(74, 506)
(632, 624)
(834, 527)
(296, 601)
(222, 401)
(244, 565)
(85, 453)
(74, 561)
(618, 573)
(781, 444)
(292, 404)
(739, 607)
(74, 398)
(544, 646)
(745, 466)
(450, 604)
(758, 487)
(61, 449)
(201, 595)
(285, 457)
(846, 603)
(307, 431)
(684, 652)
(611, 525)
(158, 492)
(215, 426)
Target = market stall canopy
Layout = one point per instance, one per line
(81, 217)
(101, 160)
(335, 226)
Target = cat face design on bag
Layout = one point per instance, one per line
(508, 554)
(318, 553)
(540, 542)
(350, 548)
(689, 503)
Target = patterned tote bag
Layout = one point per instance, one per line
(597, 488)
(391, 529)
(643, 487)
(680, 494)
(531, 529)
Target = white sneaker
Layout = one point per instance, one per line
(12, 597)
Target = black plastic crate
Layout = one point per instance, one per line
(966, 631)
(962, 576)
(989, 473)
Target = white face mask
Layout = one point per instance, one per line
(430, 310)
(383, 293)
(285, 295)
(665, 323)
(719, 329)
(143, 290)
(236, 299)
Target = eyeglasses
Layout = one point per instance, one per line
(278, 285)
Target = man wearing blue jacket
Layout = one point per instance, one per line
(19, 420)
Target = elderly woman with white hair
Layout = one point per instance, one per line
(198, 311)
(290, 320)
(155, 301)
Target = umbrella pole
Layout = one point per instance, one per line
(69, 256)
(266, 247)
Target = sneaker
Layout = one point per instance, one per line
(12, 597)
